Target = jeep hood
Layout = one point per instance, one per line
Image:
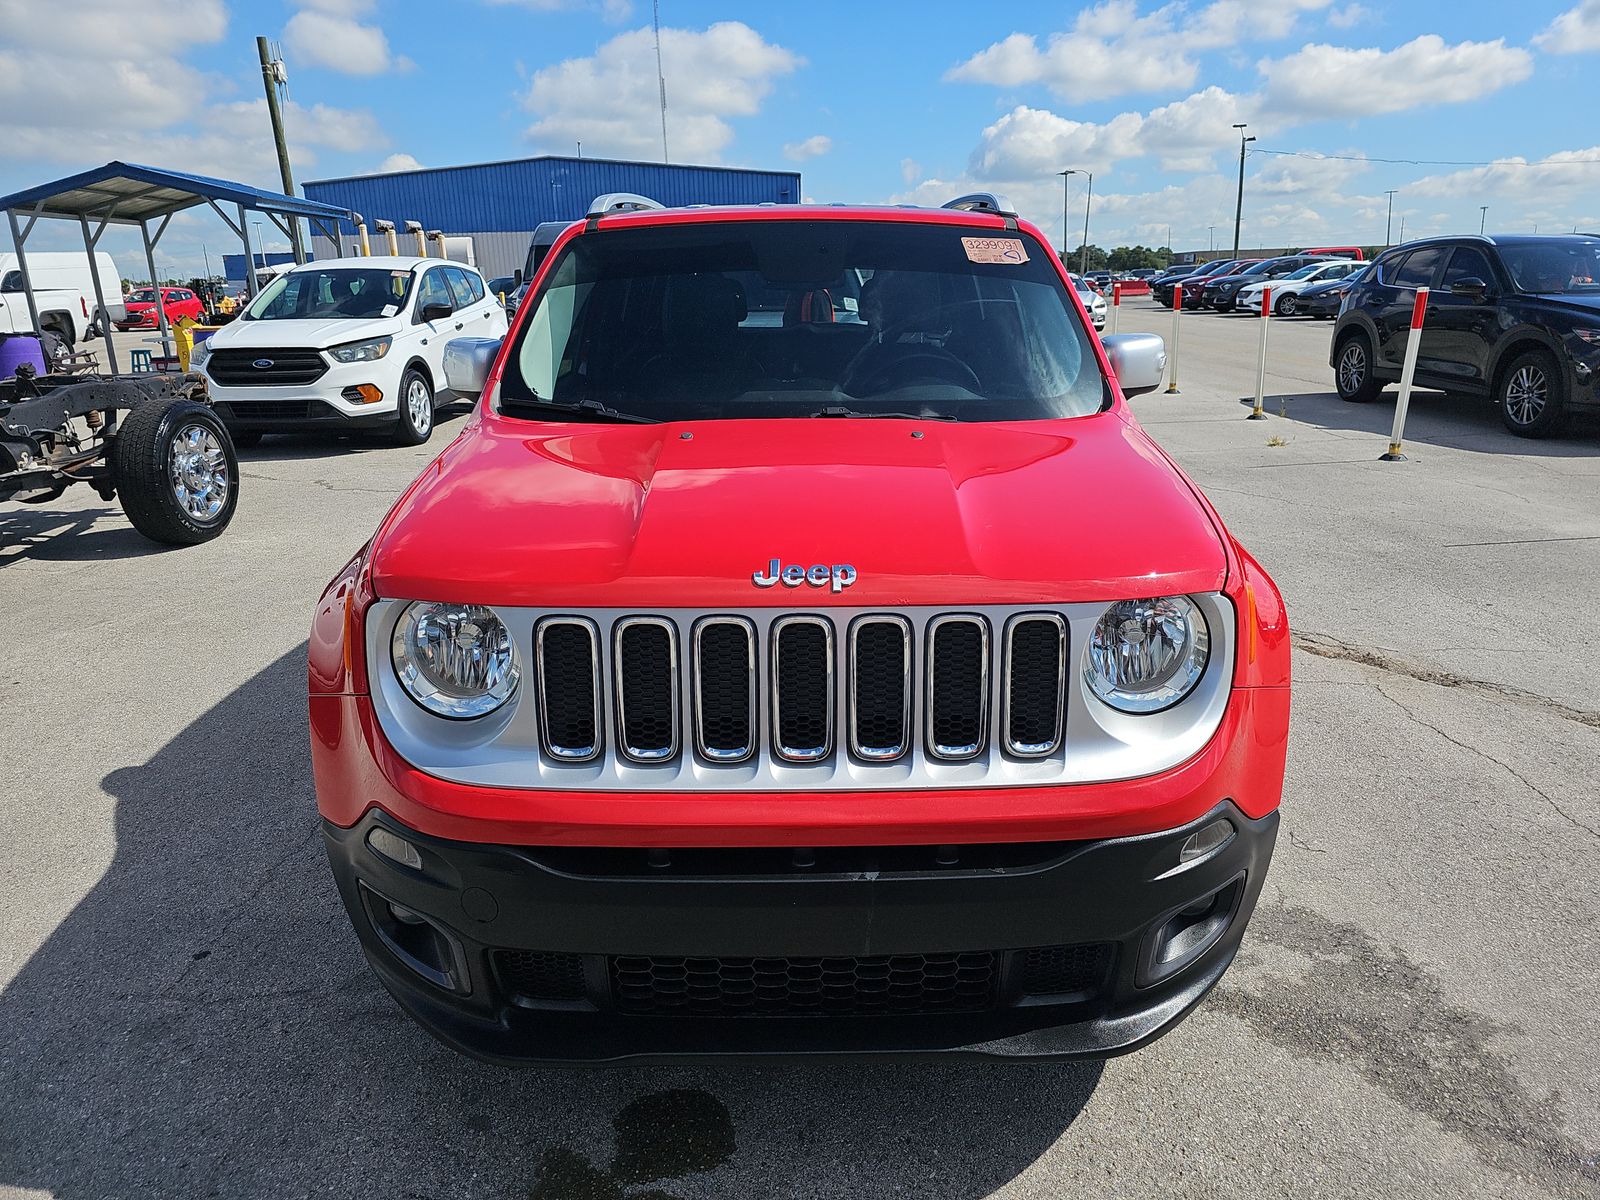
(657, 516)
(312, 334)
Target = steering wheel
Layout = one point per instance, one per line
(865, 378)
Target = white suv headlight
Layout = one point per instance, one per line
(455, 660)
(1147, 655)
(369, 350)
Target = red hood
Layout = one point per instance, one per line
(646, 516)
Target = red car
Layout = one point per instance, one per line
(795, 678)
(178, 301)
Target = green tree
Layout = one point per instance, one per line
(1075, 258)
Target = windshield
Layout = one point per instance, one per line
(1307, 271)
(788, 318)
(324, 293)
(142, 296)
(1565, 265)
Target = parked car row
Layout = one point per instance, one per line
(1227, 285)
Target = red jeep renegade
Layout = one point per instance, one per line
(801, 649)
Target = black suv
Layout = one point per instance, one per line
(1516, 319)
(1222, 291)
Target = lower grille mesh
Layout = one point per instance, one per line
(902, 983)
(1061, 970)
(540, 975)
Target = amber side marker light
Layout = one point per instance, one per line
(1206, 839)
(363, 393)
(394, 847)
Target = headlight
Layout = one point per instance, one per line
(1146, 655)
(368, 351)
(1592, 336)
(198, 355)
(456, 660)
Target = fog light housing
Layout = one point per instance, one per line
(417, 941)
(1182, 935)
(363, 393)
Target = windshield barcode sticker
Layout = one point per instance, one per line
(994, 250)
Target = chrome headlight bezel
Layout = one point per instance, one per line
(487, 671)
(365, 350)
(1177, 623)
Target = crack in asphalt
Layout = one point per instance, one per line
(1324, 646)
(1374, 1010)
(1487, 757)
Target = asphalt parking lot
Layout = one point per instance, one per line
(184, 1010)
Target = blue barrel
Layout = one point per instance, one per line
(17, 349)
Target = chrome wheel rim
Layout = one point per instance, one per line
(419, 405)
(1527, 391)
(1352, 368)
(1287, 304)
(199, 473)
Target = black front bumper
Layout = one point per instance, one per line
(1034, 951)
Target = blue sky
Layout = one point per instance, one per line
(872, 102)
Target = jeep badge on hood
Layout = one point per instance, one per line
(839, 575)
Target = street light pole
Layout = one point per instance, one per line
(1483, 215)
(1213, 230)
(1238, 210)
(1083, 266)
(1066, 217)
(1388, 223)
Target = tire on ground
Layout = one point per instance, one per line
(142, 468)
(409, 430)
(1531, 395)
(1352, 369)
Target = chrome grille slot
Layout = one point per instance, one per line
(802, 688)
(1035, 684)
(725, 688)
(880, 687)
(568, 654)
(958, 686)
(645, 654)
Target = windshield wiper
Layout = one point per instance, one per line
(587, 408)
(839, 410)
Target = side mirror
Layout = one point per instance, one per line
(1138, 360)
(466, 364)
(516, 277)
(1471, 287)
(436, 312)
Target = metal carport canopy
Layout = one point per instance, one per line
(122, 193)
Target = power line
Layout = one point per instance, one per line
(1430, 162)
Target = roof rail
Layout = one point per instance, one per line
(988, 202)
(614, 202)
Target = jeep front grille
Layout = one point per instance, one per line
(794, 691)
(843, 699)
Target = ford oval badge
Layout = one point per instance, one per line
(261, 364)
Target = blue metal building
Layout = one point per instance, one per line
(233, 264)
(498, 204)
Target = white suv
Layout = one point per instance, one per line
(346, 343)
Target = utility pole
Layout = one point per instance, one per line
(1066, 216)
(1238, 210)
(1483, 216)
(1213, 247)
(1388, 223)
(274, 76)
(661, 80)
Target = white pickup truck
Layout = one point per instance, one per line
(63, 290)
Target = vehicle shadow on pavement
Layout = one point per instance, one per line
(56, 535)
(1436, 419)
(203, 1023)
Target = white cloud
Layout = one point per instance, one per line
(609, 101)
(1322, 81)
(1574, 32)
(347, 129)
(399, 162)
(325, 33)
(813, 147)
(910, 168)
(1350, 15)
(1183, 135)
(1567, 173)
(1112, 49)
